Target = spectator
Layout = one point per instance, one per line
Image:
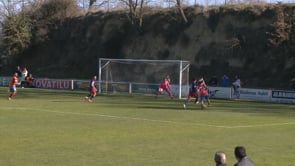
(28, 81)
(237, 86)
(213, 81)
(220, 158)
(18, 71)
(224, 80)
(241, 156)
(23, 76)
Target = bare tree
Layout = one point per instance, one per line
(92, 4)
(136, 11)
(169, 2)
(179, 5)
(11, 7)
(7, 8)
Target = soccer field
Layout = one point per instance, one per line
(58, 128)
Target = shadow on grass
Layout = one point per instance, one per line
(151, 102)
(254, 107)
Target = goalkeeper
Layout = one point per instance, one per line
(92, 90)
(165, 86)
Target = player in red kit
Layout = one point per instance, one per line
(165, 86)
(12, 86)
(204, 93)
(92, 90)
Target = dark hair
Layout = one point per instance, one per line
(240, 152)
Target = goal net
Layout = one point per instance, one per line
(142, 76)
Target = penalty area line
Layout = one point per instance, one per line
(159, 121)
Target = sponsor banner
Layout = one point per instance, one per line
(220, 92)
(53, 84)
(114, 87)
(283, 96)
(4, 81)
(254, 94)
(81, 84)
(144, 88)
(119, 87)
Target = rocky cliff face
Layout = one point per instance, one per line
(257, 43)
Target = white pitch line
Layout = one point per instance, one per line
(160, 121)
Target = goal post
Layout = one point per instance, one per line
(142, 75)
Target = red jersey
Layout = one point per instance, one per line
(203, 89)
(13, 81)
(165, 85)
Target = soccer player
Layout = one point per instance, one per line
(193, 92)
(92, 90)
(204, 93)
(165, 86)
(12, 86)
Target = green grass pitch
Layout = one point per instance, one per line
(42, 127)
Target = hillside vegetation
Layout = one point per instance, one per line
(255, 42)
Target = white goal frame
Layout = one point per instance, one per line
(183, 66)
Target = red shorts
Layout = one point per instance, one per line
(193, 94)
(204, 93)
(93, 91)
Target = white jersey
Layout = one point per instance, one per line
(24, 75)
(237, 83)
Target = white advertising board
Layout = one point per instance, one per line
(282, 96)
(53, 84)
(220, 92)
(254, 94)
(4, 81)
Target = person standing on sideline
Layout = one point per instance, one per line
(213, 81)
(23, 76)
(220, 158)
(225, 80)
(18, 71)
(12, 86)
(29, 80)
(92, 90)
(204, 93)
(237, 86)
(241, 156)
(192, 93)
